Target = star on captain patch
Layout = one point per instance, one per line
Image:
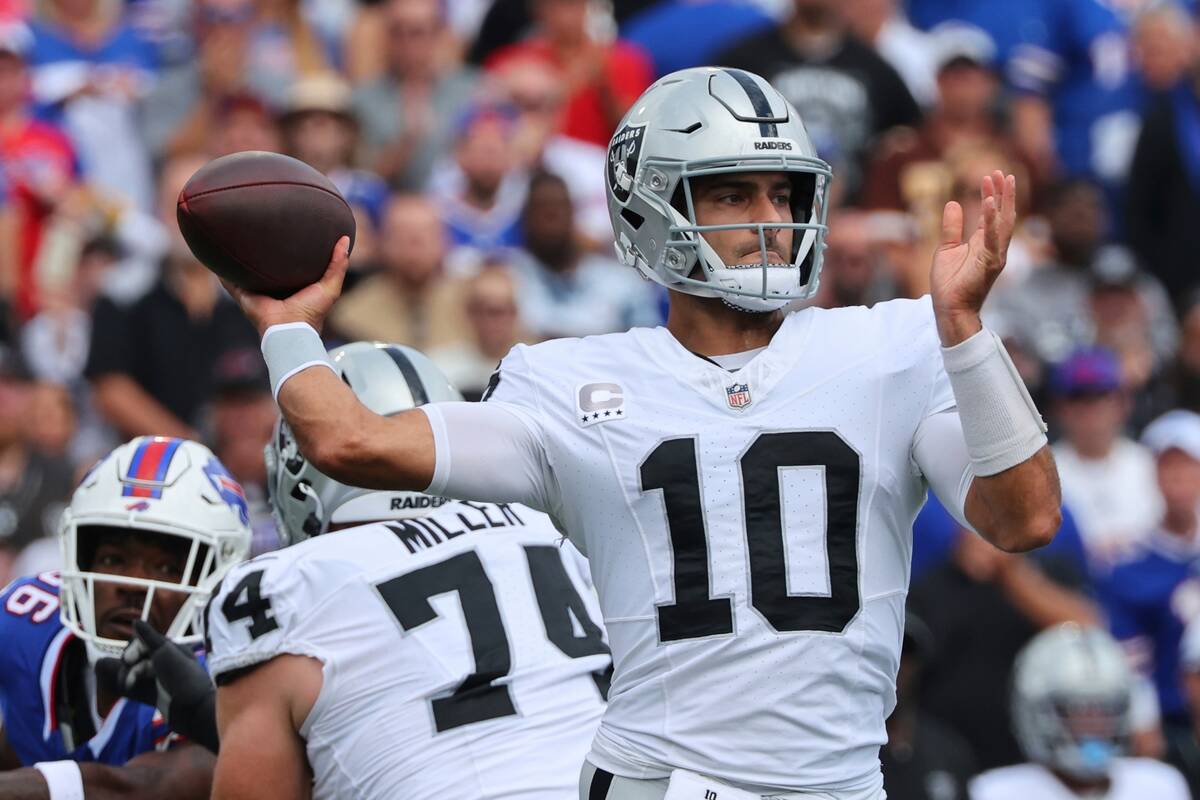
(738, 396)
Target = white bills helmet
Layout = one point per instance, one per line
(708, 121)
(1072, 693)
(159, 485)
(386, 378)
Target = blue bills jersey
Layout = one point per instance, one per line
(1149, 599)
(40, 660)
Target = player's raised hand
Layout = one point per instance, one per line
(311, 304)
(964, 269)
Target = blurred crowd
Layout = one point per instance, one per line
(469, 137)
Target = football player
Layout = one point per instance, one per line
(451, 652)
(1072, 711)
(743, 480)
(148, 534)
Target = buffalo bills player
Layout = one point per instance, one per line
(149, 532)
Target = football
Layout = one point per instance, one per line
(263, 221)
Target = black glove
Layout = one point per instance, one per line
(158, 672)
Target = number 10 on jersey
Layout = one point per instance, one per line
(673, 469)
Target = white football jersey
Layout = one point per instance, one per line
(749, 534)
(1132, 779)
(461, 653)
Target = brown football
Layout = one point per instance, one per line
(264, 221)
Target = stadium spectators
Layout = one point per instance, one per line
(849, 94)
(1163, 200)
(34, 485)
(38, 165)
(563, 290)
(407, 113)
(1017, 596)
(603, 78)
(92, 70)
(495, 326)
(150, 362)
(480, 193)
(410, 300)
(1107, 478)
(1151, 596)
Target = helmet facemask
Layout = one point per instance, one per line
(83, 581)
(767, 284)
(1081, 736)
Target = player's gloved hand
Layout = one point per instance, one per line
(158, 672)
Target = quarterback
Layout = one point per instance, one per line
(149, 532)
(743, 480)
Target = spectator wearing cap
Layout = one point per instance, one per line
(407, 114)
(481, 192)
(1153, 594)
(1164, 182)
(603, 78)
(150, 360)
(320, 129)
(37, 168)
(1107, 478)
(411, 299)
(34, 486)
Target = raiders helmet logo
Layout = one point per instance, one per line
(623, 154)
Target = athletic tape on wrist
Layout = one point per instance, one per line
(64, 781)
(290, 348)
(1000, 422)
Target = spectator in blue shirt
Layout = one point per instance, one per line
(1151, 597)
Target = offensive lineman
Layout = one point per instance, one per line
(743, 480)
(449, 652)
(1072, 696)
(148, 534)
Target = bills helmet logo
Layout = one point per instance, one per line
(229, 489)
(624, 151)
(738, 395)
(141, 505)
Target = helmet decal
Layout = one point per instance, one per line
(148, 467)
(623, 153)
(229, 489)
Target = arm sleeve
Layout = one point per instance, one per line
(495, 451)
(940, 452)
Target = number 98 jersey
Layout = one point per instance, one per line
(749, 534)
(460, 653)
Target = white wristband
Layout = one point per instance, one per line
(289, 348)
(1000, 422)
(63, 779)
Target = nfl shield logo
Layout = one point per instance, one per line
(738, 395)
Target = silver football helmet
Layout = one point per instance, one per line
(386, 378)
(1072, 694)
(701, 122)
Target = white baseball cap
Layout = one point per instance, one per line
(1174, 430)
